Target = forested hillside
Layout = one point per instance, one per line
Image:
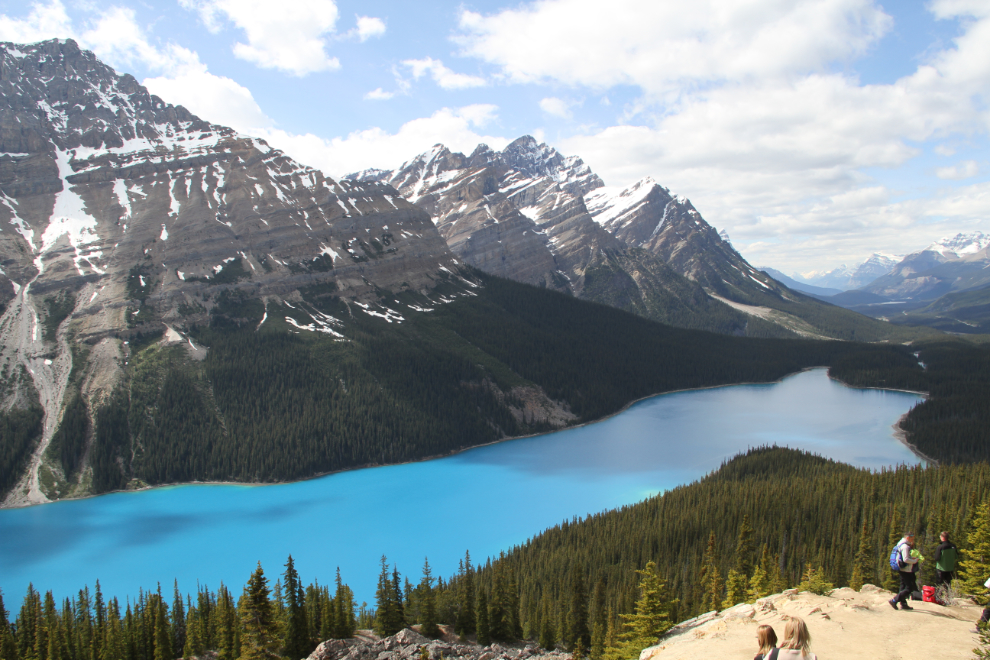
(272, 401)
(770, 519)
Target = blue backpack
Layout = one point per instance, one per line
(895, 558)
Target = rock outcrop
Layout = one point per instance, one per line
(844, 624)
(408, 644)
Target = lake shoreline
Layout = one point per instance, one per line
(899, 434)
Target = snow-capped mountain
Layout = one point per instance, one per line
(952, 263)
(845, 277)
(960, 245)
(530, 214)
(127, 215)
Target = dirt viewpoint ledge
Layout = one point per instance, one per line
(844, 625)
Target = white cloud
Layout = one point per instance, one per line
(217, 99)
(378, 94)
(661, 46)
(456, 128)
(288, 36)
(740, 111)
(442, 76)
(368, 27)
(43, 22)
(556, 107)
(964, 170)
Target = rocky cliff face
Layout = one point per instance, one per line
(648, 216)
(529, 214)
(122, 215)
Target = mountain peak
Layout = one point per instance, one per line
(960, 244)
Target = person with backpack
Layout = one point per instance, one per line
(906, 567)
(946, 555)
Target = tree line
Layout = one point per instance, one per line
(288, 621)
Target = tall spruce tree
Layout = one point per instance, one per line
(976, 553)
(578, 634)
(390, 614)
(259, 639)
(652, 616)
(466, 623)
(427, 604)
(484, 631)
(864, 567)
(710, 579)
(295, 627)
(548, 636)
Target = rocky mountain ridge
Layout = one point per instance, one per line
(532, 215)
(122, 216)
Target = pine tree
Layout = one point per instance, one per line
(864, 567)
(745, 549)
(498, 611)
(484, 631)
(548, 638)
(343, 610)
(577, 615)
(612, 648)
(295, 637)
(390, 614)
(8, 646)
(652, 616)
(427, 604)
(735, 589)
(976, 554)
(178, 618)
(465, 624)
(710, 583)
(259, 640)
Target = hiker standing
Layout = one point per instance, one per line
(945, 561)
(906, 567)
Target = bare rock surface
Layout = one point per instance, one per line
(408, 644)
(844, 624)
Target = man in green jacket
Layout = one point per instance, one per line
(945, 560)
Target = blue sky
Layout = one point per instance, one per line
(814, 131)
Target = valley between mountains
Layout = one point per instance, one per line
(185, 303)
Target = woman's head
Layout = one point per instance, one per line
(766, 638)
(796, 635)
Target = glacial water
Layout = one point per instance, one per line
(483, 500)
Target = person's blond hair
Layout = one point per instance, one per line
(767, 638)
(796, 636)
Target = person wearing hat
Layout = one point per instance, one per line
(908, 563)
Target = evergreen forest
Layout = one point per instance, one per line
(271, 403)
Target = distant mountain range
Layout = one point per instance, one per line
(943, 286)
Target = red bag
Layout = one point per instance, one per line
(928, 594)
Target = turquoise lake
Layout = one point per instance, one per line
(483, 500)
